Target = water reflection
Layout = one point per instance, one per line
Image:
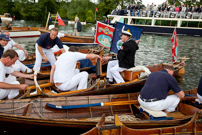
(154, 49)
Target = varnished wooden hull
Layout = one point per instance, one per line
(27, 115)
(102, 87)
(21, 32)
(73, 39)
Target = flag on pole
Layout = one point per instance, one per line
(104, 34)
(174, 45)
(60, 21)
(50, 18)
(96, 9)
(116, 41)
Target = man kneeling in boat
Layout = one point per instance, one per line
(154, 94)
(124, 60)
(9, 86)
(64, 74)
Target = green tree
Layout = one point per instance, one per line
(90, 16)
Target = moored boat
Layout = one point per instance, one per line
(75, 40)
(164, 24)
(194, 126)
(35, 115)
(6, 17)
(134, 82)
(22, 32)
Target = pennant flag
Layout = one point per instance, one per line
(96, 9)
(116, 41)
(104, 34)
(60, 21)
(174, 45)
(50, 18)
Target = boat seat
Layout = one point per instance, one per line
(134, 73)
(198, 102)
(155, 115)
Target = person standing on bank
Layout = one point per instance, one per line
(43, 48)
(77, 27)
(154, 94)
(64, 74)
(124, 60)
(10, 86)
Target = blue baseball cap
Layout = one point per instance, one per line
(5, 37)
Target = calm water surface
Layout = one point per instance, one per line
(154, 49)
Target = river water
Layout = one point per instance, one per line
(153, 49)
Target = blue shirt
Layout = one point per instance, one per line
(45, 41)
(1, 50)
(158, 84)
(199, 89)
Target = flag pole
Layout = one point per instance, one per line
(55, 18)
(47, 20)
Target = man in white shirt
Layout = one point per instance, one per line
(22, 53)
(63, 72)
(10, 86)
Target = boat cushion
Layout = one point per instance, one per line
(155, 115)
(134, 73)
(198, 102)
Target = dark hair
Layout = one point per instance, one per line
(11, 53)
(73, 49)
(170, 67)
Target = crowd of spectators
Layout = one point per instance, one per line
(136, 9)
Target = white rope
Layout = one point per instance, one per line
(37, 110)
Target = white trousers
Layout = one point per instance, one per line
(48, 53)
(11, 93)
(169, 104)
(199, 97)
(21, 55)
(80, 79)
(19, 66)
(113, 70)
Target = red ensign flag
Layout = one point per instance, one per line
(60, 21)
(96, 9)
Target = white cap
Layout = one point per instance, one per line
(126, 32)
(50, 27)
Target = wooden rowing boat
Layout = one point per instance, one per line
(25, 115)
(21, 32)
(74, 40)
(134, 83)
(194, 126)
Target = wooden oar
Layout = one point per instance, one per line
(95, 104)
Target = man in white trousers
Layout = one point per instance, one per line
(154, 94)
(43, 48)
(9, 87)
(22, 53)
(125, 58)
(64, 74)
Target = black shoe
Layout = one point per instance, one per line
(110, 82)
